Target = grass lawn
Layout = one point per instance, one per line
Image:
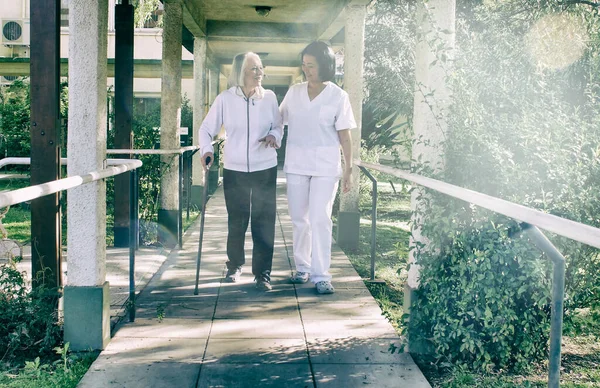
(581, 341)
(18, 219)
(48, 374)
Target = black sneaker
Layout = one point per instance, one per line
(233, 275)
(263, 284)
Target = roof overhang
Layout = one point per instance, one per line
(234, 26)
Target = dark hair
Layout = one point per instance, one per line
(324, 56)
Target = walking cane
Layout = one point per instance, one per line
(204, 195)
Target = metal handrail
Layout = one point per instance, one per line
(118, 166)
(152, 151)
(181, 152)
(14, 197)
(530, 220)
(574, 230)
(373, 218)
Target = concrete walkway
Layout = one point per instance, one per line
(231, 335)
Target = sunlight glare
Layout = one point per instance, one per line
(556, 41)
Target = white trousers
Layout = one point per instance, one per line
(310, 201)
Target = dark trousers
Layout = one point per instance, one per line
(251, 196)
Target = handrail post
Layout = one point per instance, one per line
(373, 220)
(558, 295)
(137, 209)
(188, 167)
(133, 203)
(180, 201)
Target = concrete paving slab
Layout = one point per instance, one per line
(181, 295)
(250, 293)
(255, 375)
(257, 328)
(269, 310)
(190, 308)
(148, 309)
(376, 375)
(314, 311)
(142, 375)
(164, 328)
(260, 351)
(322, 328)
(309, 293)
(357, 351)
(204, 288)
(133, 349)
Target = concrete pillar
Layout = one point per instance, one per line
(199, 113)
(170, 114)
(433, 55)
(354, 44)
(87, 300)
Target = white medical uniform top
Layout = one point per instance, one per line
(313, 145)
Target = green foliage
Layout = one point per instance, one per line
(524, 129)
(146, 136)
(15, 108)
(484, 296)
(143, 12)
(66, 372)
(535, 141)
(14, 119)
(389, 74)
(28, 317)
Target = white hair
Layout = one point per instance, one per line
(236, 78)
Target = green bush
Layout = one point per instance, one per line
(14, 119)
(29, 324)
(484, 295)
(528, 133)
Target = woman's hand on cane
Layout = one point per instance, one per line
(207, 159)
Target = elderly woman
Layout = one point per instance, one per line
(251, 119)
(319, 119)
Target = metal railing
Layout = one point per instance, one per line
(13, 197)
(184, 178)
(190, 150)
(530, 220)
(114, 167)
(373, 218)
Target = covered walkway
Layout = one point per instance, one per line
(231, 335)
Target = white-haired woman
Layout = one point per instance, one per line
(250, 116)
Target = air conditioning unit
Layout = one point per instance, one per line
(7, 79)
(15, 32)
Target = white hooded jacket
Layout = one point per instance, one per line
(246, 121)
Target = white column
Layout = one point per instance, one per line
(87, 302)
(86, 147)
(199, 104)
(170, 121)
(354, 44)
(433, 56)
